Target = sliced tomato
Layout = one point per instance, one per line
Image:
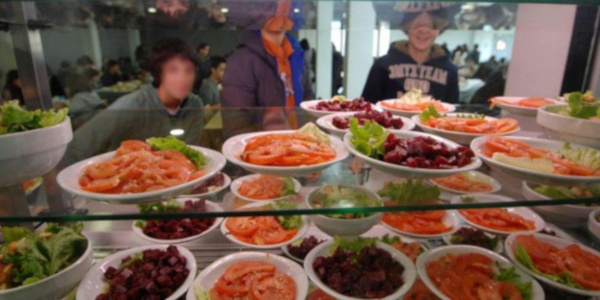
(319, 295)
(242, 226)
(231, 288)
(241, 269)
(278, 287)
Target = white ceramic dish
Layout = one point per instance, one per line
(211, 274)
(409, 113)
(235, 187)
(531, 175)
(68, 179)
(557, 242)
(326, 123)
(496, 186)
(450, 220)
(568, 129)
(93, 283)
(301, 231)
(56, 286)
(594, 224)
(408, 172)
(309, 106)
(499, 246)
(344, 227)
(569, 216)
(210, 207)
(409, 275)
(234, 146)
(434, 254)
(462, 138)
(524, 212)
(215, 190)
(317, 234)
(33, 153)
(558, 232)
(513, 108)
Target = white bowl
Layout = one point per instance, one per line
(301, 231)
(68, 179)
(235, 187)
(569, 216)
(408, 172)
(409, 113)
(210, 207)
(557, 242)
(462, 138)
(450, 220)
(211, 274)
(434, 254)
(568, 129)
(226, 183)
(309, 105)
(499, 246)
(93, 284)
(56, 286)
(33, 153)
(234, 146)
(524, 212)
(532, 175)
(344, 227)
(594, 224)
(409, 275)
(317, 234)
(514, 108)
(496, 186)
(326, 123)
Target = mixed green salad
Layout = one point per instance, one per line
(431, 112)
(14, 118)
(173, 143)
(288, 221)
(369, 138)
(410, 192)
(581, 106)
(510, 275)
(27, 257)
(336, 196)
(561, 192)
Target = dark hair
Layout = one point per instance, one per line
(304, 44)
(202, 45)
(111, 63)
(215, 61)
(11, 76)
(15, 91)
(166, 49)
(82, 83)
(84, 61)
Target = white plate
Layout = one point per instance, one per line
(235, 187)
(210, 207)
(568, 129)
(531, 175)
(226, 183)
(409, 113)
(463, 138)
(569, 216)
(514, 108)
(559, 243)
(326, 123)
(496, 186)
(499, 246)
(409, 275)
(408, 172)
(234, 146)
(310, 104)
(524, 212)
(68, 179)
(301, 231)
(594, 224)
(211, 274)
(434, 254)
(450, 219)
(317, 234)
(93, 284)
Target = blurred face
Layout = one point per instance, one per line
(177, 77)
(422, 33)
(204, 51)
(219, 72)
(115, 69)
(94, 80)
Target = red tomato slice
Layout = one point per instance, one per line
(242, 226)
(278, 287)
(231, 288)
(319, 295)
(242, 269)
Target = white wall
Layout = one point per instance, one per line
(542, 39)
(595, 80)
(359, 58)
(67, 45)
(7, 56)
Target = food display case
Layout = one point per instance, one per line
(491, 190)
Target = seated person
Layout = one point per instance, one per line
(85, 101)
(153, 110)
(112, 75)
(209, 90)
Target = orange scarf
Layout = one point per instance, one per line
(282, 54)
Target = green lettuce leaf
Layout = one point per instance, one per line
(14, 233)
(554, 192)
(409, 192)
(509, 275)
(288, 187)
(563, 278)
(369, 138)
(585, 156)
(354, 244)
(168, 206)
(288, 221)
(173, 143)
(429, 113)
(578, 108)
(14, 118)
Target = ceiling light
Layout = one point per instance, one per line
(224, 10)
(176, 132)
(296, 10)
(152, 10)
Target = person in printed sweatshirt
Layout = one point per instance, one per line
(416, 63)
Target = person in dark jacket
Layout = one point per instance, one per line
(416, 63)
(113, 74)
